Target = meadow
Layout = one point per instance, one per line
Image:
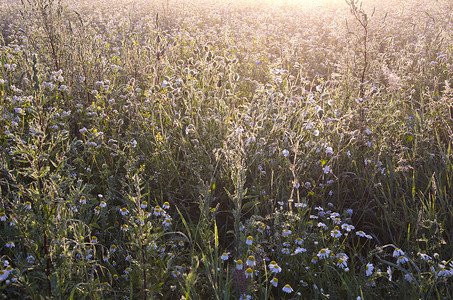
(226, 149)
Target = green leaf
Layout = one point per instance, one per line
(249, 204)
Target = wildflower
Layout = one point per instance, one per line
(274, 267)
(329, 151)
(248, 273)
(27, 205)
(94, 239)
(342, 263)
(347, 227)
(249, 240)
(296, 185)
(225, 255)
(124, 211)
(314, 260)
(153, 245)
(360, 233)
(30, 259)
(324, 294)
(144, 204)
(285, 153)
(102, 204)
(285, 251)
(444, 272)
(287, 289)
(300, 205)
(125, 228)
(389, 272)
(74, 208)
(166, 205)
(157, 211)
(3, 275)
(322, 225)
(181, 244)
(369, 269)
(3, 217)
(175, 273)
(166, 222)
(425, 257)
(398, 252)
(326, 169)
(409, 277)
(342, 256)
(251, 261)
(274, 281)
(286, 232)
(402, 259)
(299, 250)
(299, 241)
(10, 245)
(97, 210)
(245, 297)
(83, 200)
(324, 253)
(112, 248)
(239, 264)
(304, 283)
(335, 233)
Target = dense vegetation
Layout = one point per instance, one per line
(226, 149)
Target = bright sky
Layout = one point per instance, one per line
(310, 2)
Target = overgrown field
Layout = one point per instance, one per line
(226, 149)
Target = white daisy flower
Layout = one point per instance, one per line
(398, 252)
(287, 289)
(274, 281)
(251, 261)
(274, 267)
(324, 253)
(239, 264)
(225, 256)
(248, 273)
(286, 232)
(369, 269)
(402, 259)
